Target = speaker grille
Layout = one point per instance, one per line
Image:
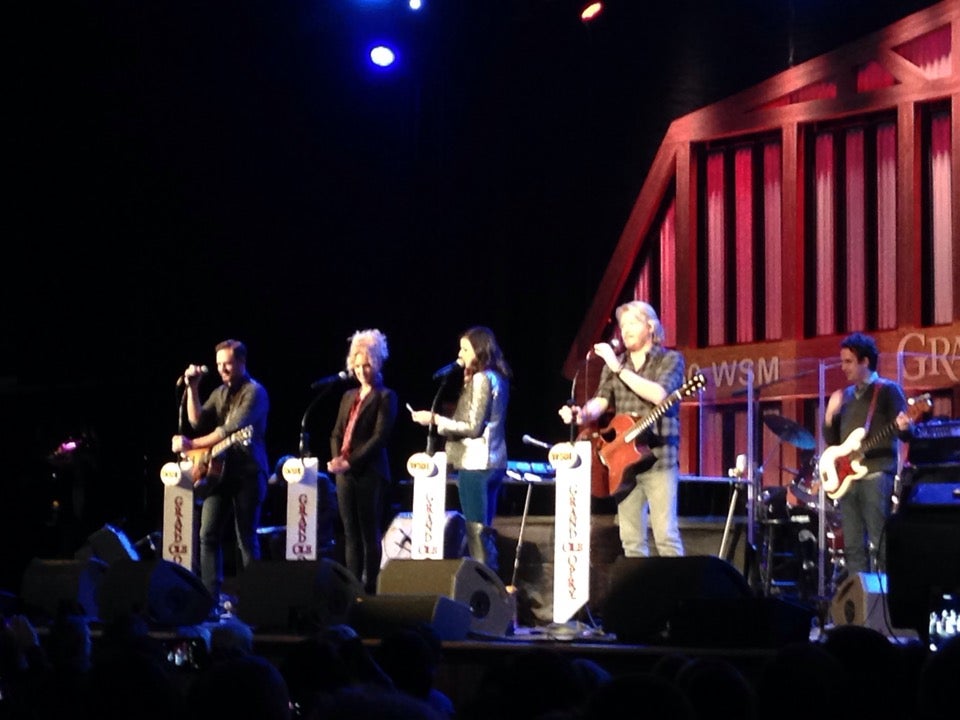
(379, 615)
(465, 580)
(296, 595)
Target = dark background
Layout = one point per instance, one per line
(182, 172)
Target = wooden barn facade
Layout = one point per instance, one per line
(820, 202)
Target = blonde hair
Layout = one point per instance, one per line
(374, 342)
(645, 311)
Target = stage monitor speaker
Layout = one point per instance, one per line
(109, 544)
(695, 600)
(296, 595)
(49, 585)
(465, 580)
(376, 616)
(861, 600)
(164, 593)
(398, 537)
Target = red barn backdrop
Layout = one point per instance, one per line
(820, 202)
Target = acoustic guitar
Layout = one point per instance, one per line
(209, 463)
(619, 446)
(840, 465)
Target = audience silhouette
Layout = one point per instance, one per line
(62, 671)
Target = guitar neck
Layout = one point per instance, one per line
(915, 408)
(221, 446)
(697, 382)
(874, 440)
(644, 423)
(240, 436)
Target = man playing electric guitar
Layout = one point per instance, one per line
(872, 403)
(636, 382)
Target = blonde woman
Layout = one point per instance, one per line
(358, 448)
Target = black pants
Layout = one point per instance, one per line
(361, 498)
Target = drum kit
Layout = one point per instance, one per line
(805, 516)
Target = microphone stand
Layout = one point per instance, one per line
(523, 523)
(432, 435)
(512, 587)
(572, 402)
(177, 457)
(181, 404)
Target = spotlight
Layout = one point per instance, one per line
(591, 11)
(382, 56)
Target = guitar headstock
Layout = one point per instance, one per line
(917, 406)
(243, 436)
(696, 383)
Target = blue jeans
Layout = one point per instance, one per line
(478, 494)
(243, 503)
(657, 490)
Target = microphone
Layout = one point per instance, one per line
(447, 369)
(613, 342)
(330, 379)
(527, 440)
(201, 370)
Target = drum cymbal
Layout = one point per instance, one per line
(790, 432)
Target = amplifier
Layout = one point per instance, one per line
(937, 494)
(930, 473)
(935, 442)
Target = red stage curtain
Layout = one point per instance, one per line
(743, 229)
(716, 251)
(887, 226)
(942, 199)
(668, 274)
(824, 161)
(773, 240)
(856, 301)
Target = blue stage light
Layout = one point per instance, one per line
(382, 56)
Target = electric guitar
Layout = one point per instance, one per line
(209, 463)
(840, 465)
(617, 445)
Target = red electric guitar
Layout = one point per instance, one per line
(618, 445)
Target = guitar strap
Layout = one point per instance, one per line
(873, 406)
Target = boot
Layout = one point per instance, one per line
(482, 544)
(488, 538)
(475, 540)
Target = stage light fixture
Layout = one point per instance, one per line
(382, 56)
(590, 11)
